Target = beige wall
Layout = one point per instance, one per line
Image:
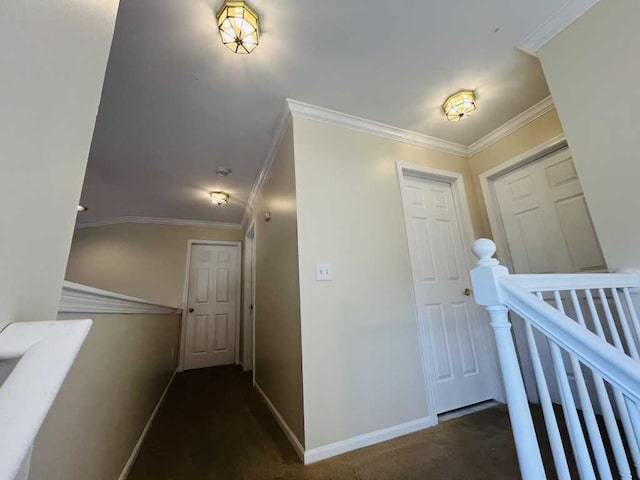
(107, 398)
(362, 366)
(278, 355)
(531, 135)
(141, 260)
(592, 69)
(53, 56)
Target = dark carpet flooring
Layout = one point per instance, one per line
(213, 425)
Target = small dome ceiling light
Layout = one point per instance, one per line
(222, 171)
(459, 105)
(81, 208)
(219, 198)
(239, 26)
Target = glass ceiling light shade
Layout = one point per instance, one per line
(239, 27)
(459, 105)
(219, 198)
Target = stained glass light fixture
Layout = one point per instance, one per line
(459, 105)
(239, 26)
(219, 198)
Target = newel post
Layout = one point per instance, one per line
(487, 292)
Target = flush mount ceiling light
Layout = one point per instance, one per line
(81, 208)
(219, 198)
(459, 105)
(238, 25)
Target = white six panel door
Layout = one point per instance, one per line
(546, 219)
(212, 303)
(454, 335)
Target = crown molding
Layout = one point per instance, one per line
(320, 114)
(160, 221)
(517, 122)
(569, 13)
(263, 174)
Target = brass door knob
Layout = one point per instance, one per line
(467, 292)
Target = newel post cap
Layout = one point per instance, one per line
(484, 277)
(484, 249)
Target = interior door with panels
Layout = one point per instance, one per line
(212, 306)
(546, 219)
(450, 324)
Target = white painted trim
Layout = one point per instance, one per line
(565, 16)
(297, 446)
(332, 117)
(488, 192)
(312, 112)
(466, 228)
(45, 352)
(263, 174)
(320, 114)
(365, 440)
(23, 474)
(145, 432)
(76, 298)
(516, 123)
(160, 221)
(185, 295)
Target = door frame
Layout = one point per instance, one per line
(455, 180)
(185, 295)
(249, 290)
(487, 185)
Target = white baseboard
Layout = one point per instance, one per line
(365, 440)
(297, 446)
(145, 431)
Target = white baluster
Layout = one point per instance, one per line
(624, 323)
(632, 311)
(487, 292)
(617, 395)
(605, 405)
(587, 409)
(559, 456)
(634, 414)
(576, 435)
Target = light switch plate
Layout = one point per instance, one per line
(324, 272)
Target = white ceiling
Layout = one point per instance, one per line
(177, 104)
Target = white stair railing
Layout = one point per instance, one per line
(592, 329)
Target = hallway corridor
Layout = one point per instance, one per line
(213, 426)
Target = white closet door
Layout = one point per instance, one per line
(546, 219)
(452, 328)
